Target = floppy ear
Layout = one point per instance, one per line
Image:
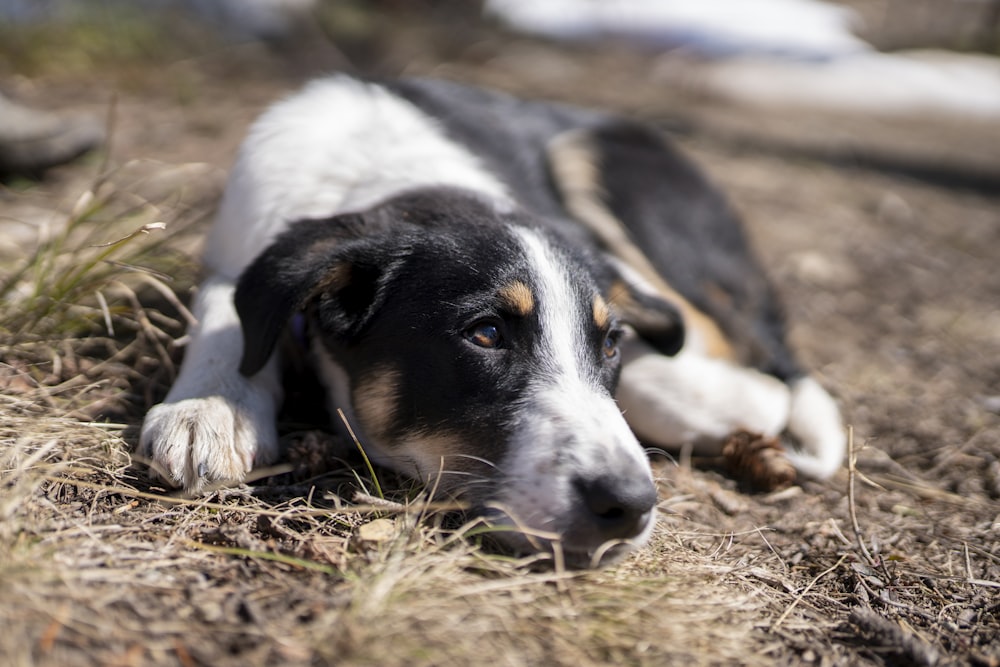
(315, 260)
(626, 186)
(655, 318)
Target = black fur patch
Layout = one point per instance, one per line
(672, 212)
(398, 287)
(689, 233)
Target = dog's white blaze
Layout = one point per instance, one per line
(573, 429)
(559, 313)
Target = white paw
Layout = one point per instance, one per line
(202, 441)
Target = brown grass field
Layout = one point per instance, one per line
(883, 235)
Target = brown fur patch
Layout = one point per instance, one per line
(375, 400)
(602, 314)
(336, 278)
(716, 343)
(518, 297)
(438, 453)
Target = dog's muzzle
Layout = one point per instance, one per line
(577, 481)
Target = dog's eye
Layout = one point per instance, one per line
(484, 334)
(610, 346)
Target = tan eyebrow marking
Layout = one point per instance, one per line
(518, 297)
(602, 314)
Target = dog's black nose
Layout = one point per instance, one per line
(618, 509)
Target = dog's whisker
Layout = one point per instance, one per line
(459, 473)
(659, 451)
(479, 459)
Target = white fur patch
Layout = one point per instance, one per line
(816, 424)
(338, 146)
(691, 398)
(214, 424)
(698, 400)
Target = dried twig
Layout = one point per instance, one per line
(852, 460)
(800, 596)
(364, 455)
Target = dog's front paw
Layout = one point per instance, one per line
(199, 442)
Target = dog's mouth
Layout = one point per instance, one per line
(576, 547)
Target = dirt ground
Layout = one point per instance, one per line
(883, 235)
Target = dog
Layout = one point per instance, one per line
(505, 297)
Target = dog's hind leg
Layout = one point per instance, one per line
(214, 424)
(699, 400)
(815, 424)
(694, 399)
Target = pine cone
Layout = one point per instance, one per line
(758, 461)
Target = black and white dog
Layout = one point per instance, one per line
(504, 296)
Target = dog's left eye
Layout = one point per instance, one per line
(610, 347)
(484, 334)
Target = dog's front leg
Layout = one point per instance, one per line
(214, 424)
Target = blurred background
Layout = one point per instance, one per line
(796, 63)
(845, 80)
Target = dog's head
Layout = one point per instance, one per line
(479, 352)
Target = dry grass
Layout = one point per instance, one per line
(97, 569)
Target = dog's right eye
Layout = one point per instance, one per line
(484, 334)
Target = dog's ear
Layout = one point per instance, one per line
(626, 185)
(654, 317)
(334, 263)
